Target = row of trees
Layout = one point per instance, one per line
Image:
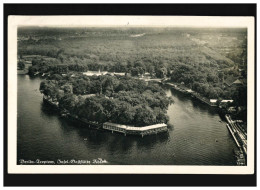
(54, 66)
(64, 64)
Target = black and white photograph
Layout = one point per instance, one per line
(131, 94)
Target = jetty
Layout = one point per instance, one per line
(176, 87)
(192, 93)
(239, 135)
(240, 138)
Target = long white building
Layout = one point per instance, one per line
(146, 130)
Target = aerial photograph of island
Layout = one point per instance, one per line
(132, 95)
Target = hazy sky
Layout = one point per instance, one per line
(145, 21)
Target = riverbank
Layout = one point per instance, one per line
(25, 70)
(124, 129)
(237, 132)
(22, 72)
(190, 92)
(43, 134)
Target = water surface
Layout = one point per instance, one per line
(196, 138)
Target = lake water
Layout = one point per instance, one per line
(196, 138)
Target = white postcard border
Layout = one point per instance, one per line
(120, 21)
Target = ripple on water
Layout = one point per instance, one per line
(42, 134)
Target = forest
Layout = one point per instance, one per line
(122, 100)
(207, 61)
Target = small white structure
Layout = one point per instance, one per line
(92, 73)
(213, 100)
(226, 101)
(137, 35)
(189, 90)
(88, 95)
(119, 74)
(238, 82)
(232, 109)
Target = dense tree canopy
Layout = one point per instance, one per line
(204, 60)
(21, 65)
(123, 100)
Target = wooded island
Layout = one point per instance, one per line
(118, 99)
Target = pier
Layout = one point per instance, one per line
(240, 137)
(202, 99)
(131, 130)
(192, 93)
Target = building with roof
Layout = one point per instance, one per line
(125, 129)
(226, 101)
(237, 82)
(88, 95)
(213, 102)
(92, 73)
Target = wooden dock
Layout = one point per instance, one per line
(192, 93)
(240, 136)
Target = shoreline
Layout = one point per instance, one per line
(113, 127)
(78, 124)
(237, 134)
(193, 94)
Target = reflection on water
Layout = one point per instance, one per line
(195, 135)
(115, 141)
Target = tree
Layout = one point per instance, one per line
(161, 73)
(32, 70)
(61, 51)
(21, 65)
(56, 77)
(49, 88)
(134, 71)
(110, 84)
(69, 102)
(124, 113)
(80, 86)
(240, 96)
(221, 76)
(145, 116)
(67, 88)
(161, 117)
(93, 110)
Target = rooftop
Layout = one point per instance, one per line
(132, 128)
